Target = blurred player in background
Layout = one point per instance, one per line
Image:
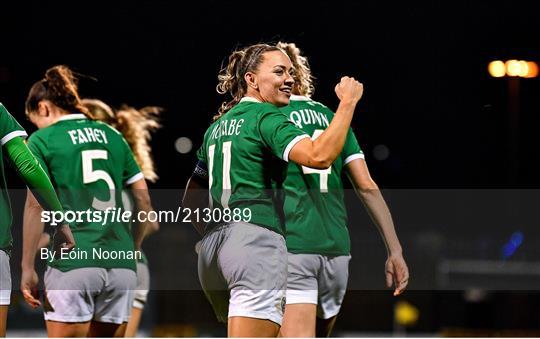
(316, 219)
(136, 126)
(89, 163)
(243, 161)
(28, 168)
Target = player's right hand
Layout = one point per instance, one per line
(29, 283)
(349, 90)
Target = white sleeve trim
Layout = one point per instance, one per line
(353, 157)
(12, 135)
(291, 145)
(134, 178)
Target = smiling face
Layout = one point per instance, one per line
(272, 81)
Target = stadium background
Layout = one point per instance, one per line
(459, 171)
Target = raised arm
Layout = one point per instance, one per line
(367, 190)
(321, 152)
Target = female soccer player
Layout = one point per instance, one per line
(242, 259)
(89, 292)
(136, 126)
(11, 142)
(316, 219)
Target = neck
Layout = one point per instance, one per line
(254, 94)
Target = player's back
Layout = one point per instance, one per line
(245, 167)
(89, 163)
(315, 213)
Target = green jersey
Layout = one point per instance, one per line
(9, 129)
(315, 213)
(246, 152)
(89, 164)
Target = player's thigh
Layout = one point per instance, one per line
(113, 305)
(302, 291)
(57, 329)
(133, 323)
(242, 327)
(253, 261)
(3, 319)
(299, 320)
(99, 329)
(70, 296)
(332, 285)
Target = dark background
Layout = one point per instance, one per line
(428, 98)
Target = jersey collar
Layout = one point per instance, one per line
(73, 116)
(299, 98)
(249, 99)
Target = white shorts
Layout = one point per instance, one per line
(318, 279)
(90, 293)
(243, 271)
(143, 285)
(5, 279)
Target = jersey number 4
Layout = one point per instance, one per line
(323, 174)
(90, 175)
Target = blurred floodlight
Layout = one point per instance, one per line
(381, 152)
(532, 70)
(513, 68)
(497, 69)
(183, 145)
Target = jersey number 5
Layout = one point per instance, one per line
(90, 175)
(323, 179)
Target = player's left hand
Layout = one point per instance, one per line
(29, 283)
(397, 273)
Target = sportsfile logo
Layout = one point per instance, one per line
(120, 215)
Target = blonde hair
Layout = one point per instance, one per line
(231, 78)
(303, 84)
(136, 125)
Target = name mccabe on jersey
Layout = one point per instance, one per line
(86, 135)
(227, 127)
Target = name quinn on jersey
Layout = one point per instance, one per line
(308, 117)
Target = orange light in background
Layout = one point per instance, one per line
(513, 68)
(496, 69)
(532, 70)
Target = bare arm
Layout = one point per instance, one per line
(368, 191)
(141, 199)
(196, 197)
(321, 152)
(32, 230)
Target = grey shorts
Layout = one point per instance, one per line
(143, 285)
(318, 279)
(89, 293)
(243, 271)
(5, 279)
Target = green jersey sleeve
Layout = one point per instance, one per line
(132, 172)
(33, 175)
(37, 146)
(9, 127)
(279, 133)
(351, 149)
